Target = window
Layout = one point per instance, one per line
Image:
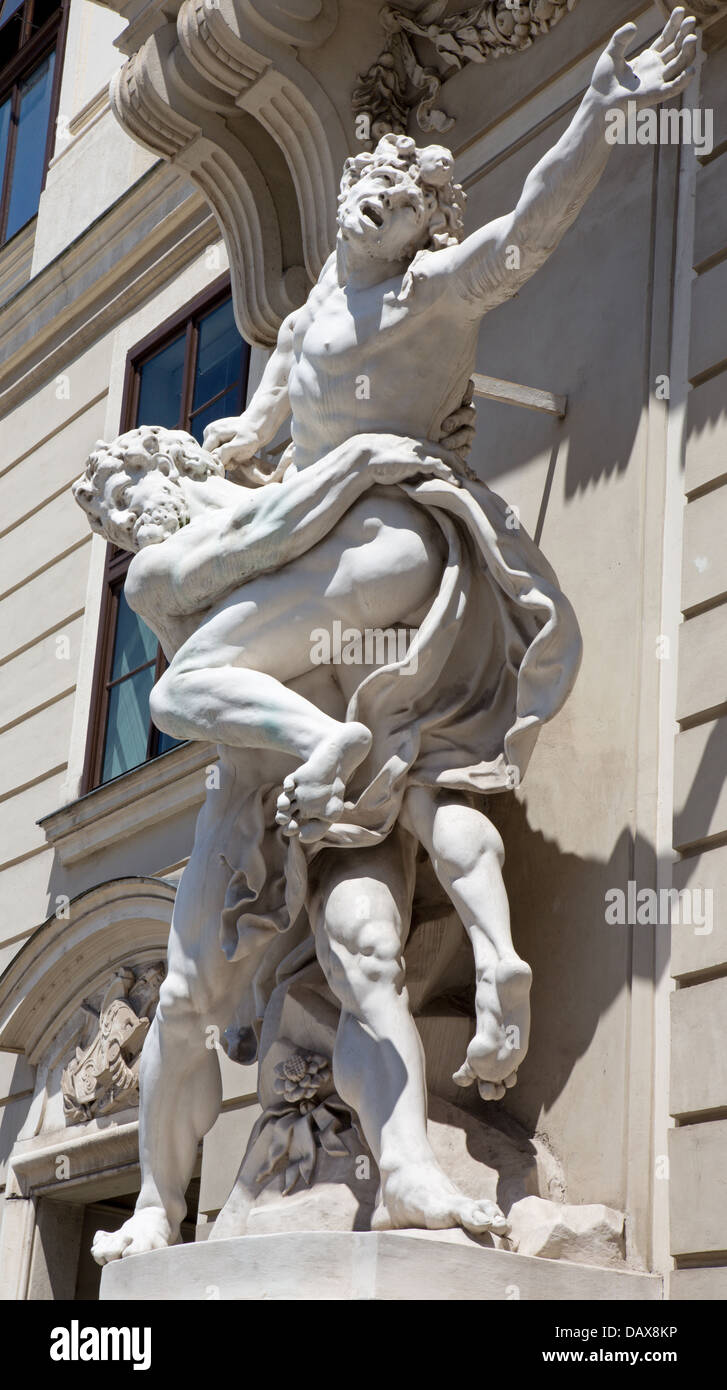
(31, 35)
(192, 371)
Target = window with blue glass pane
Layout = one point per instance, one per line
(29, 33)
(197, 373)
(30, 142)
(160, 386)
(133, 671)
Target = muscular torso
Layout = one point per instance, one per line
(364, 361)
(370, 360)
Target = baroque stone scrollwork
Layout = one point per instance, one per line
(104, 1075)
(222, 95)
(398, 82)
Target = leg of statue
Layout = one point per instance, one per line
(361, 914)
(180, 1085)
(467, 855)
(230, 681)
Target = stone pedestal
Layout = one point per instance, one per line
(341, 1265)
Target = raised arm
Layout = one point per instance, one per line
(491, 265)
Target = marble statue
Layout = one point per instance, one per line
(333, 778)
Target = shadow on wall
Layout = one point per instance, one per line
(582, 327)
(708, 410)
(581, 963)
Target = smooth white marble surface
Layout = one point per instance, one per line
(338, 1266)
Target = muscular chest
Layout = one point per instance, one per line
(346, 332)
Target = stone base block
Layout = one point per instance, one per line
(342, 1265)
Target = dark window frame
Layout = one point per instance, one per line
(51, 37)
(118, 561)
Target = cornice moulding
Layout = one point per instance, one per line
(145, 797)
(97, 1154)
(150, 234)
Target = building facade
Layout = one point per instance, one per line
(151, 241)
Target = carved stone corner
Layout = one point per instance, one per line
(103, 1077)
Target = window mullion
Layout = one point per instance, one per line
(27, 25)
(10, 159)
(127, 675)
(218, 396)
(101, 730)
(190, 367)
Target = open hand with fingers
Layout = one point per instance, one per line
(659, 72)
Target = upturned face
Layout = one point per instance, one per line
(142, 507)
(385, 216)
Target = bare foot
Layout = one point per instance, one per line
(312, 796)
(503, 1028)
(148, 1229)
(422, 1196)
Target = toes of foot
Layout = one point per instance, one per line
(485, 1216)
(495, 1219)
(491, 1090)
(509, 1081)
(141, 1246)
(465, 1076)
(108, 1246)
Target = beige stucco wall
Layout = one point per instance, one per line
(698, 1144)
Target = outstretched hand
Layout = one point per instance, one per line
(661, 71)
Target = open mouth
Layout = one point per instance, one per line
(372, 214)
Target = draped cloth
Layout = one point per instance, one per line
(494, 658)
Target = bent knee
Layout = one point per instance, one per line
(364, 954)
(169, 703)
(462, 838)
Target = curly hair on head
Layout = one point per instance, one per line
(175, 452)
(430, 167)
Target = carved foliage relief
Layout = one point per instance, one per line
(399, 82)
(104, 1074)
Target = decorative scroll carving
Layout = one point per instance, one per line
(305, 23)
(398, 82)
(183, 96)
(104, 1075)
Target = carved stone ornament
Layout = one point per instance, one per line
(103, 1076)
(704, 10)
(221, 94)
(398, 82)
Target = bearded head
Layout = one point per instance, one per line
(133, 490)
(398, 199)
